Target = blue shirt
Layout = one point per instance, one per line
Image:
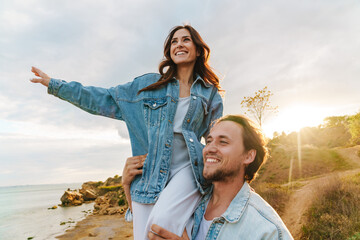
(149, 117)
(247, 217)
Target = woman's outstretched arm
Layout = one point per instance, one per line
(133, 167)
(94, 100)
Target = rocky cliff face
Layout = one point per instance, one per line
(109, 196)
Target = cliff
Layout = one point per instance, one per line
(109, 196)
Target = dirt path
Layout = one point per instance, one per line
(302, 198)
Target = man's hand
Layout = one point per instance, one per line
(157, 233)
(133, 167)
(44, 78)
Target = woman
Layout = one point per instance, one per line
(166, 115)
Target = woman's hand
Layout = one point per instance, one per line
(133, 167)
(44, 78)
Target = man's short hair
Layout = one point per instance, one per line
(253, 138)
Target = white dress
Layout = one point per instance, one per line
(177, 202)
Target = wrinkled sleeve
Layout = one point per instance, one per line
(94, 100)
(215, 111)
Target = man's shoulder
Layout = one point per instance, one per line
(262, 214)
(257, 203)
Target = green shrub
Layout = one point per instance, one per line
(356, 236)
(121, 202)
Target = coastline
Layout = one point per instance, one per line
(99, 227)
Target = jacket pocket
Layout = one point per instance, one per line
(154, 111)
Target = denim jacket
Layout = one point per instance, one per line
(149, 118)
(247, 217)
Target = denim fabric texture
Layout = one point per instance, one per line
(149, 118)
(247, 217)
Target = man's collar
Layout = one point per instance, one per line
(238, 204)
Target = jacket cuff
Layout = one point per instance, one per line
(128, 216)
(54, 86)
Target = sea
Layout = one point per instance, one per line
(25, 211)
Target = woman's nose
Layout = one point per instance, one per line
(179, 44)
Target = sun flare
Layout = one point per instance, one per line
(295, 117)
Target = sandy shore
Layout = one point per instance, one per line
(100, 227)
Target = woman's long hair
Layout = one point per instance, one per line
(201, 65)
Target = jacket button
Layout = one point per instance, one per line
(195, 163)
(191, 140)
(154, 105)
(188, 120)
(194, 97)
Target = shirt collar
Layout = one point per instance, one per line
(238, 204)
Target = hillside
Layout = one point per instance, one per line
(317, 169)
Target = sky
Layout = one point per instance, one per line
(306, 52)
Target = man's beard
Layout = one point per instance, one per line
(222, 175)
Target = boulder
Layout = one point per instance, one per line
(88, 195)
(71, 198)
(109, 203)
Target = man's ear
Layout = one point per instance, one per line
(250, 156)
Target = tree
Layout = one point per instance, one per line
(335, 121)
(259, 104)
(354, 128)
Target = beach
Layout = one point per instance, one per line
(26, 211)
(99, 227)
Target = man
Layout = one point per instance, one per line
(234, 152)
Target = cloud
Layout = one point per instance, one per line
(35, 160)
(305, 51)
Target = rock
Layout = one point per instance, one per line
(109, 196)
(88, 195)
(113, 181)
(109, 203)
(72, 198)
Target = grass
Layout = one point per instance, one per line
(99, 183)
(276, 195)
(335, 214)
(314, 161)
(111, 188)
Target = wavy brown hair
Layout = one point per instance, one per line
(167, 67)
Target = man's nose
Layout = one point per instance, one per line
(210, 148)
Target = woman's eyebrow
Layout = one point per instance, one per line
(186, 36)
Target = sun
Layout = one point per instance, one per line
(295, 117)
